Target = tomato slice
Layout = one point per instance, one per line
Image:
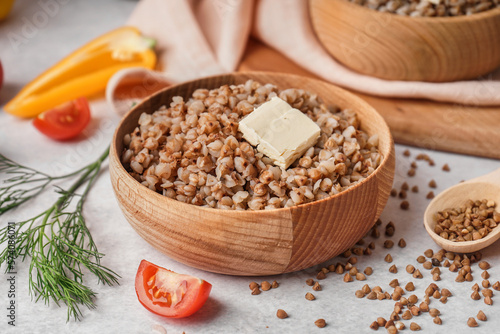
(169, 294)
(65, 121)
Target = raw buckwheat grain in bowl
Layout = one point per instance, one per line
(430, 8)
(193, 152)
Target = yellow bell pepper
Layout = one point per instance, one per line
(85, 72)
(5, 7)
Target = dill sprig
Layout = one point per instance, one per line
(24, 183)
(57, 241)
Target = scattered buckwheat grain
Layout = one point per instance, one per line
(281, 314)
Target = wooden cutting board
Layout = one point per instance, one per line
(421, 123)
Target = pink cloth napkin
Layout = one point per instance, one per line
(198, 38)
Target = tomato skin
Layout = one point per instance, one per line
(196, 294)
(65, 121)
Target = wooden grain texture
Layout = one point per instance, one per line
(255, 242)
(422, 123)
(397, 47)
(483, 187)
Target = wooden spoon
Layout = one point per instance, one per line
(483, 187)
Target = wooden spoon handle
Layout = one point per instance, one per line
(493, 178)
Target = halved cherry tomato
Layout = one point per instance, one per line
(65, 121)
(169, 294)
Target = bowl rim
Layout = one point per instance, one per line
(425, 19)
(385, 160)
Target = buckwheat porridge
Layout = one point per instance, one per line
(193, 152)
(430, 8)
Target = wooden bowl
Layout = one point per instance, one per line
(255, 242)
(394, 47)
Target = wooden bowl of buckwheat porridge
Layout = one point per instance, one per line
(192, 186)
(412, 40)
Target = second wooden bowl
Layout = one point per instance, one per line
(255, 242)
(394, 47)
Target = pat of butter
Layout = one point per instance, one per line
(279, 131)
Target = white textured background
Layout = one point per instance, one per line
(34, 38)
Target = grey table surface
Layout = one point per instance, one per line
(39, 33)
